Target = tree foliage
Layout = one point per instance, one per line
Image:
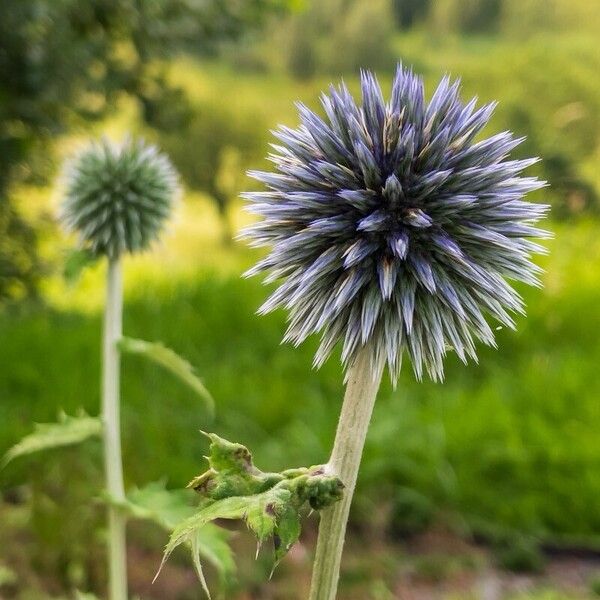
(338, 36)
(410, 12)
(213, 148)
(63, 60)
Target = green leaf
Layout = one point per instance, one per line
(193, 530)
(155, 503)
(259, 511)
(213, 545)
(228, 508)
(260, 516)
(197, 564)
(167, 508)
(287, 531)
(76, 261)
(270, 503)
(66, 432)
(274, 512)
(167, 358)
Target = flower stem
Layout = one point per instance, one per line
(364, 379)
(117, 558)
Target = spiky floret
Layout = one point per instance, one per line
(393, 228)
(118, 196)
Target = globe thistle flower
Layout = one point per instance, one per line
(118, 196)
(394, 227)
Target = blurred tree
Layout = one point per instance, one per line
(409, 12)
(466, 16)
(302, 52)
(228, 181)
(571, 193)
(338, 36)
(363, 38)
(213, 148)
(303, 36)
(62, 60)
(524, 17)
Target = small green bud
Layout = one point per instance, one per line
(118, 196)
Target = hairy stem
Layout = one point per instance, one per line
(363, 382)
(117, 558)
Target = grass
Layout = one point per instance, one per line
(509, 444)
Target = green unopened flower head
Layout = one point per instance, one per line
(118, 195)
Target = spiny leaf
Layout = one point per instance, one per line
(270, 503)
(225, 455)
(213, 545)
(197, 564)
(259, 511)
(66, 432)
(287, 531)
(231, 473)
(170, 360)
(155, 503)
(167, 508)
(230, 508)
(263, 513)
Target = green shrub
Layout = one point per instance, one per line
(520, 555)
(338, 36)
(465, 16)
(594, 584)
(213, 149)
(412, 512)
(410, 12)
(361, 39)
(302, 60)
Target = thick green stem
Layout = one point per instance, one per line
(363, 382)
(117, 558)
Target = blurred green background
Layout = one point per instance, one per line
(486, 486)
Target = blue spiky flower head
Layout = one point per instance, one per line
(118, 196)
(392, 228)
